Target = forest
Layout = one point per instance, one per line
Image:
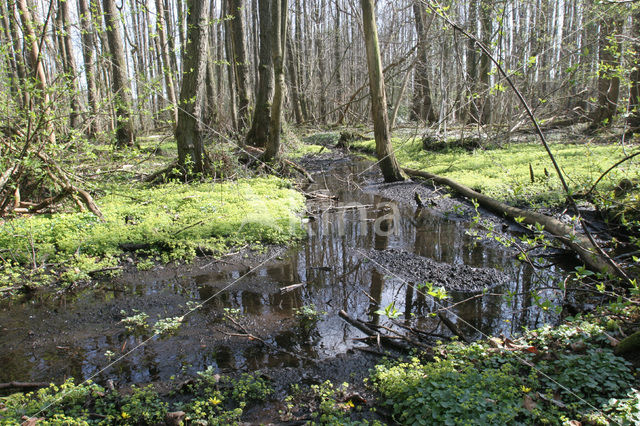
(325, 212)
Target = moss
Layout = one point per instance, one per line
(504, 173)
(301, 150)
(173, 221)
(629, 345)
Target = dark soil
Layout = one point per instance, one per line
(419, 269)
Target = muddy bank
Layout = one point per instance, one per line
(418, 269)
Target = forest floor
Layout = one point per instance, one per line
(546, 375)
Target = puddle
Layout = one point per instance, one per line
(48, 338)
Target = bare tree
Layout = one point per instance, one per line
(34, 59)
(259, 132)
(88, 54)
(239, 59)
(120, 87)
(387, 160)
(278, 42)
(69, 62)
(422, 108)
(189, 131)
(167, 70)
(634, 92)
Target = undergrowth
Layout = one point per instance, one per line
(549, 376)
(209, 399)
(504, 173)
(168, 222)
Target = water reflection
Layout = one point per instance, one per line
(329, 264)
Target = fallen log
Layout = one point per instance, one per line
(453, 327)
(564, 233)
(629, 345)
(24, 385)
(396, 343)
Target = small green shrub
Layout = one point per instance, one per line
(248, 388)
(566, 372)
(443, 393)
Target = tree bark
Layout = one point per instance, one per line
(634, 92)
(34, 58)
(294, 84)
(422, 108)
(472, 114)
(70, 64)
(259, 132)
(167, 72)
(228, 46)
(240, 59)
(189, 132)
(18, 73)
(278, 42)
(485, 63)
(88, 54)
(120, 86)
(608, 80)
(387, 160)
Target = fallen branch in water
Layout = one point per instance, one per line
(576, 241)
(453, 327)
(401, 343)
(24, 385)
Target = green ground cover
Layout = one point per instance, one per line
(504, 172)
(167, 222)
(552, 375)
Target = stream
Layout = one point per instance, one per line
(45, 337)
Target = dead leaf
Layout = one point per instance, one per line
(529, 403)
(30, 421)
(578, 346)
(175, 418)
(575, 423)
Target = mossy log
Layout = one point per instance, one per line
(576, 241)
(629, 345)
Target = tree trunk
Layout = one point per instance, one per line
(294, 85)
(634, 92)
(240, 59)
(166, 62)
(189, 132)
(120, 86)
(485, 63)
(35, 63)
(422, 105)
(233, 111)
(337, 58)
(210, 101)
(608, 80)
(18, 73)
(472, 114)
(388, 164)
(88, 50)
(70, 64)
(259, 132)
(278, 42)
